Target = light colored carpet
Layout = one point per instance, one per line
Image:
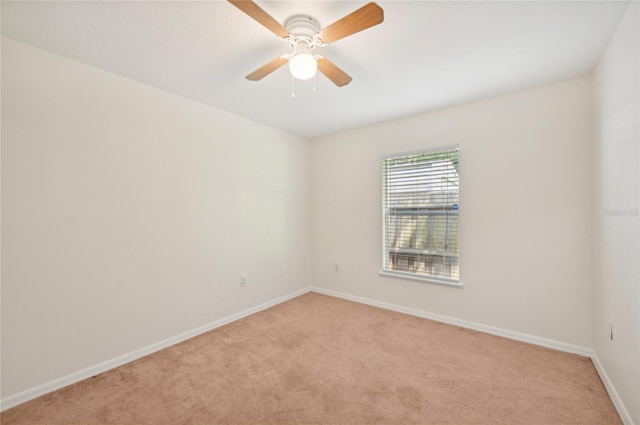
(321, 360)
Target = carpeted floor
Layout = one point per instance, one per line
(321, 360)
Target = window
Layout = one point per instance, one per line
(420, 204)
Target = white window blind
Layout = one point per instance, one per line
(420, 207)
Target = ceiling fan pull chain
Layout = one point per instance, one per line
(293, 87)
(314, 83)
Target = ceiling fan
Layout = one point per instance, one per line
(303, 35)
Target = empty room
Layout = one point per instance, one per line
(320, 212)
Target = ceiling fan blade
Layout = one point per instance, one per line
(262, 17)
(332, 72)
(363, 18)
(267, 69)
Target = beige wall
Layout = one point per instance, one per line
(129, 215)
(525, 229)
(616, 290)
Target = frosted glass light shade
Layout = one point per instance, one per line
(303, 66)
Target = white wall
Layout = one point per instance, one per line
(616, 291)
(525, 244)
(129, 215)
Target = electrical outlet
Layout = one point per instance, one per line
(243, 281)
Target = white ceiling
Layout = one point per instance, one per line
(426, 55)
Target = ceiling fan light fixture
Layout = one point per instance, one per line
(303, 66)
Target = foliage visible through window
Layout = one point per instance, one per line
(420, 215)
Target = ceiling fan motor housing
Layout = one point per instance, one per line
(302, 26)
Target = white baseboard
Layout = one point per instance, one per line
(615, 398)
(75, 377)
(30, 394)
(544, 342)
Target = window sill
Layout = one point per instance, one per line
(411, 276)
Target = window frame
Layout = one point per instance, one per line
(406, 274)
